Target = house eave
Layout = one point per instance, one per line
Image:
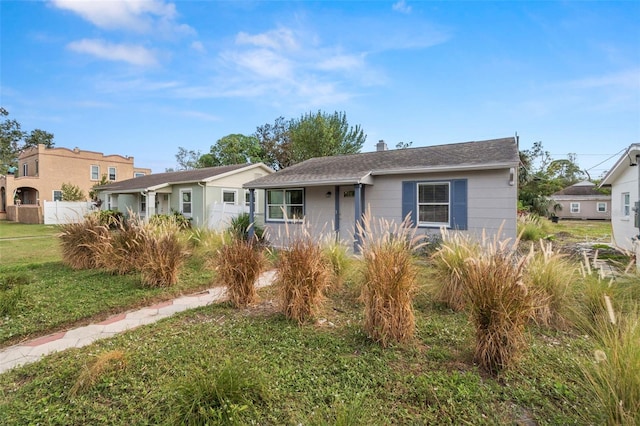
(440, 169)
(626, 159)
(365, 180)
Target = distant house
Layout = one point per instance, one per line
(581, 201)
(204, 195)
(469, 187)
(41, 172)
(624, 180)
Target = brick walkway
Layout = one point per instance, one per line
(34, 350)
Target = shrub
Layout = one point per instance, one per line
(448, 263)
(549, 277)
(104, 363)
(302, 276)
(110, 218)
(498, 303)
(217, 397)
(389, 279)
(77, 241)
(162, 256)
(239, 264)
(9, 299)
(240, 226)
(180, 220)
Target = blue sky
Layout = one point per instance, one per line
(142, 78)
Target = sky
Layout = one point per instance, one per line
(143, 78)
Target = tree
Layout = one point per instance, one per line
(187, 159)
(323, 135)
(275, 142)
(287, 142)
(233, 149)
(13, 140)
(540, 176)
(404, 145)
(71, 192)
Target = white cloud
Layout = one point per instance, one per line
(142, 16)
(133, 54)
(629, 79)
(402, 7)
(342, 62)
(198, 46)
(281, 39)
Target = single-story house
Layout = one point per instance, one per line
(581, 201)
(624, 180)
(469, 186)
(205, 195)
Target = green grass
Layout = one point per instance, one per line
(306, 375)
(581, 230)
(22, 244)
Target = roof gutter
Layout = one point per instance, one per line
(438, 169)
(365, 180)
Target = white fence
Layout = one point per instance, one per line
(59, 212)
(220, 215)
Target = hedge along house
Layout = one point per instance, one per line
(468, 187)
(204, 195)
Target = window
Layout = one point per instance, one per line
(247, 195)
(95, 172)
(57, 195)
(433, 203)
(228, 196)
(626, 204)
(575, 207)
(37, 167)
(285, 203)
(601, 207)
(185, 202)
(138, 174)
(112, 173)
(143, 204)
(25, 169)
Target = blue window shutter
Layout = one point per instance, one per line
(409, 202)
(459, 204)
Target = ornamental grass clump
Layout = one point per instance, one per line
(448, 264)
(103, 364)
(498, 303)
(612, 375)
(337, 254)
(549, 277)
(303, 274)
(77, 241)
(239, 263)
(389, 279)
(163, 254)
(119, 251)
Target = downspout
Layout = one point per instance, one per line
(204, 202)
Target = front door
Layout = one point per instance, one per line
(346, 200)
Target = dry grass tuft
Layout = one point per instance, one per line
(337, 254)
(239, 264)
(103, 364)
(549, 276)
(303, 274)
(449, 263)
(78, 239)
(389, 279)
(120, 250)
(163, 254)
(498, 303)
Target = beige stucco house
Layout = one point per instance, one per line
(581, 201)
(41, 172)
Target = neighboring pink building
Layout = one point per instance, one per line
(581, 201)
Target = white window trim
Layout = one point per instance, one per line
(91, 172)
(182, 192)
(571, 207)
(115, 175)
(138, 174)
(418, 203)
(626, 204)
(284, 205)
(25, 169)
(601, 203)
(246, 198)
(230, 191)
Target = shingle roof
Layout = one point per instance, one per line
(354, 168)
(153, 180)
(580, 188)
